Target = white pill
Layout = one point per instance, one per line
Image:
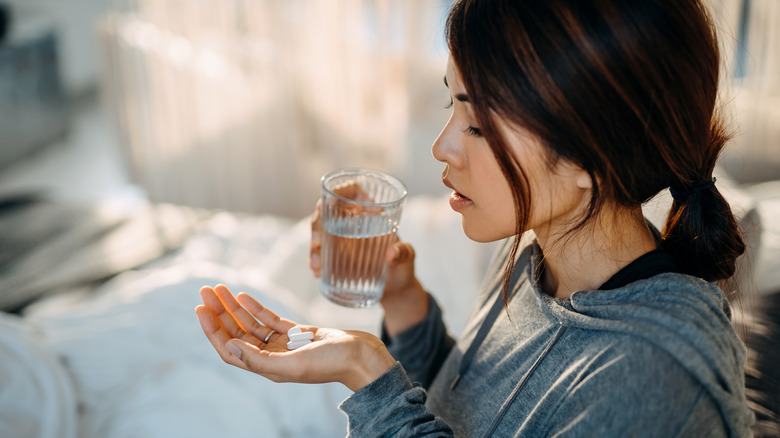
(294, 330)
(304, 336)
(292, 345)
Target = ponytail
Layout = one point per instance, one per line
(701, 232)
(702, 235)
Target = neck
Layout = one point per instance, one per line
(587, 258)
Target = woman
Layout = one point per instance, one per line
(567, 116)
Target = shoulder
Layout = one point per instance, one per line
(634, 363)
(622, 386)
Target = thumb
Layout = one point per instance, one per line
(400, 252)
(235, 348)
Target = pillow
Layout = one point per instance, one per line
(37, 396)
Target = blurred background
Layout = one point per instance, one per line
(243, 105)
(149, 147)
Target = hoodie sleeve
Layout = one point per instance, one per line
(392, 407)
(422, 348)
(649, 395)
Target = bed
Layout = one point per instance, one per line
(98, 337)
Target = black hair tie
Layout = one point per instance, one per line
(681, 195)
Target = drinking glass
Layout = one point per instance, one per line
(361, 209)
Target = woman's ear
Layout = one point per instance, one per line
(583, 179)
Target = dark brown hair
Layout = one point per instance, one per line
(625, 90)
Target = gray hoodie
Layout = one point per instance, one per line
(657, 358)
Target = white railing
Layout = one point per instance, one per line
(243, 105)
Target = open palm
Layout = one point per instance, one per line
(252, 337)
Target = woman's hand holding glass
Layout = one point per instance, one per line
(404, 300)
(239, 328)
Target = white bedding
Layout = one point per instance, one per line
(133, 361)
(37, 396)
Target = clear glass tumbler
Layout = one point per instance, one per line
(361, 209)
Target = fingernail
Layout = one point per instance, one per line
(315, 261)
(234, 349)
(315, 236)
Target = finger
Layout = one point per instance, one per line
(316, 239)
(209, 298)
(248, 323)
(316, 218)
(315, 264)
(225, 318)
(216, 335)
(400, 252)
(265, 315)
(349, 190)
(353, 191)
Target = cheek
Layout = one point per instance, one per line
(494, 219)
(505, 205)
(501, 206)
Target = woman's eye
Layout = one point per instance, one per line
(473, 131)
(449, 105)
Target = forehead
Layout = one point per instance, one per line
(452, 76)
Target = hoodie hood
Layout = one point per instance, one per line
(684, 316)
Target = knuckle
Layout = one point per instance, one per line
(406, 251)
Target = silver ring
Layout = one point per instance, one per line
(268, 336)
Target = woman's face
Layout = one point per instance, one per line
(481, 193)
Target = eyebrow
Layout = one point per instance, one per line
(461, 97)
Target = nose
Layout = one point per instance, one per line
(446, 147)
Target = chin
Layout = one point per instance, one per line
(482, 233)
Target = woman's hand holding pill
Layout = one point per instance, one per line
(252, 337)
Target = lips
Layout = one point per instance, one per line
(458, 195)
(455, 193)
(449, 185)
